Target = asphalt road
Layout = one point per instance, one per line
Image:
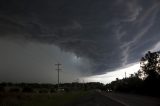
(95, 99)
(133, 100)
(114, 99)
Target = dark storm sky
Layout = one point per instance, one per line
(107, 33)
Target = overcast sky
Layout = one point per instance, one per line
(88, 37)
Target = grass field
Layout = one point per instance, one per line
(35, 99)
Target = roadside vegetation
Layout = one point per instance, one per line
(146, 81)
(35, 94)
(39, 99)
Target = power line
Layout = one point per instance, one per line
(58, 69)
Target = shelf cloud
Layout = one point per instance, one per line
(108, 33)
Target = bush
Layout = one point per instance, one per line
(52, 91)
(2, 89)
(27, 90)
(43, 91)
(14, 90)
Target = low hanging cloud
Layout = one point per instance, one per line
(110, 34)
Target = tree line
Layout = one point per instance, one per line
(146, 81)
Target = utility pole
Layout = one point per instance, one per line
(58, 69)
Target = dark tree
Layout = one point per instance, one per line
(150, 64)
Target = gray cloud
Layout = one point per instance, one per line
(35, 62)
(110, 34)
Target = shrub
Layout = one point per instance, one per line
(2, 89)
(27, 90)
(14, 90)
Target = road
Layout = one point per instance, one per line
(133, 100)
(113, 99)
(95, 99)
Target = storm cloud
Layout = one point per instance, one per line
(109, 33)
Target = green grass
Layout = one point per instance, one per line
(23, 99)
